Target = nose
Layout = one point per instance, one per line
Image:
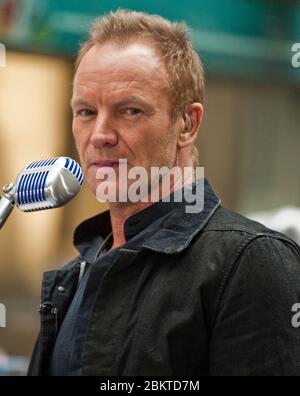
(103, 133)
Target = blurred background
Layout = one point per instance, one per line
(249, 143)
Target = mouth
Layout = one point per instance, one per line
(105, 164)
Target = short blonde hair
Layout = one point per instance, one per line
(183, 65)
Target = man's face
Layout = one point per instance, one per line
(122, 109)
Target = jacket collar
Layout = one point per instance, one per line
(179, 228)
(175, 232)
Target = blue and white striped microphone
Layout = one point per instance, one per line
(42, 185)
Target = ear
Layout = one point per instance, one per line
(190, 125)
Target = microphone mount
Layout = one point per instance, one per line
(7, 202)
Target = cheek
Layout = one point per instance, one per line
(161, 141)
(79, 138)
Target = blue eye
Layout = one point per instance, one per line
(85, 113)
(132, 111)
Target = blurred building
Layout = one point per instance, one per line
(248, 144)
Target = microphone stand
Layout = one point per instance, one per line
(7, 203)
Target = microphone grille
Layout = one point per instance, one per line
(31, 188)
(42, 163)
(75, 169)
(70, 165)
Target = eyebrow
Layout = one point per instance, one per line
(133, 99)
(128, 99)
(78, 101)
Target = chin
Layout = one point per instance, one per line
(106, 191)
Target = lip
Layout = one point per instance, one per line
(107, 163)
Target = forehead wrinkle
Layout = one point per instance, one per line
(110, 89)
(111, 78)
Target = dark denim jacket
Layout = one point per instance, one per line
(209, 293)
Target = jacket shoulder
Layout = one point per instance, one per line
(227, 220)
(229, 246)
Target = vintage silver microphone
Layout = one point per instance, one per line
(42, 185)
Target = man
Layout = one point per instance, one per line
(156, 290)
